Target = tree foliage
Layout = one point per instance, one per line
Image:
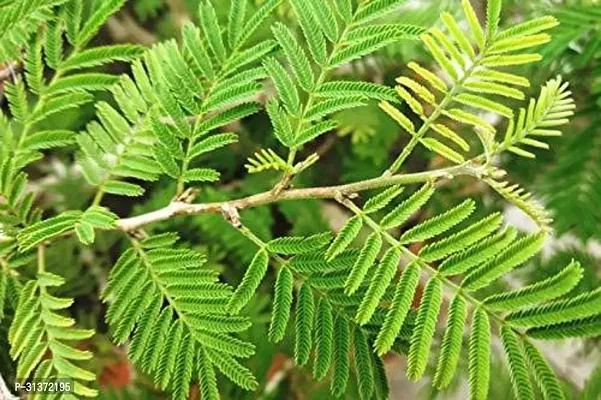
(345, 298)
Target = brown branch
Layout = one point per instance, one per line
(178, 208)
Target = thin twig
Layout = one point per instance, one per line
(328, 192)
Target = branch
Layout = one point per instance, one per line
(178, 208)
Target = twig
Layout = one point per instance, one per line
(328, 192)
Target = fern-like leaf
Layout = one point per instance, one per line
(425, 325)
(582, 306)
(546, 379)
(479, 355)
(451, 343)
(347, 234)
(252, 278)
(281, 305)
(305, 312)
(377, 287)
(539, 292)
(514, 255)
(403, 297)
(517, 364)
(324, 330)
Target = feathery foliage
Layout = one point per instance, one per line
(353, 295)
(173, 309)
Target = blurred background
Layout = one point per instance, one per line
(566, 178)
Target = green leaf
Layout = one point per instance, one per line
(101, 55)
(201, 175)
(377, 287)
(281, 305)
(371, 10)
(58, 104)
(335, 89)
(458, 34)
(543, 374)
(123, 188)
(345, 236)
(53, 43)
(331, 106)
(43, 140)
(197, 51)
(425, 325)
(236, 21)
(212, 143)
(442, 150)
(484, 104)
(314, 131)
(445, 64)
(529, 27)
(257, 20)
(344, 8)
(479, 356)
(305, 309)
(206, 375)
(382, 199)
(582, 328)
(226, 117)
(282, 128)
(364, 262)
(494, 88)
(451, 343)
(96, 20)
(72, 13)
(548, 289)
(284, 85)
(477, 253)
(502, 77)
(493, 13)
(296, 56)
(439, 224)
(324, 330)
(582, 306)
(82, 82)
(340, 356)
(233, 370)
(166, 161)
(517, 364)
(407, 208)
(17, 100)
(363, 365)
(429, 77)
(401, 303)
(252, 278)
(45, 230)
(251, 55)
(34, 66)
(509, 258)
(298, 244)
(462, 239)
(325, 18)
(85, 233)
(359, 49)
(211, 29)
(475, 27)
(311, 31)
